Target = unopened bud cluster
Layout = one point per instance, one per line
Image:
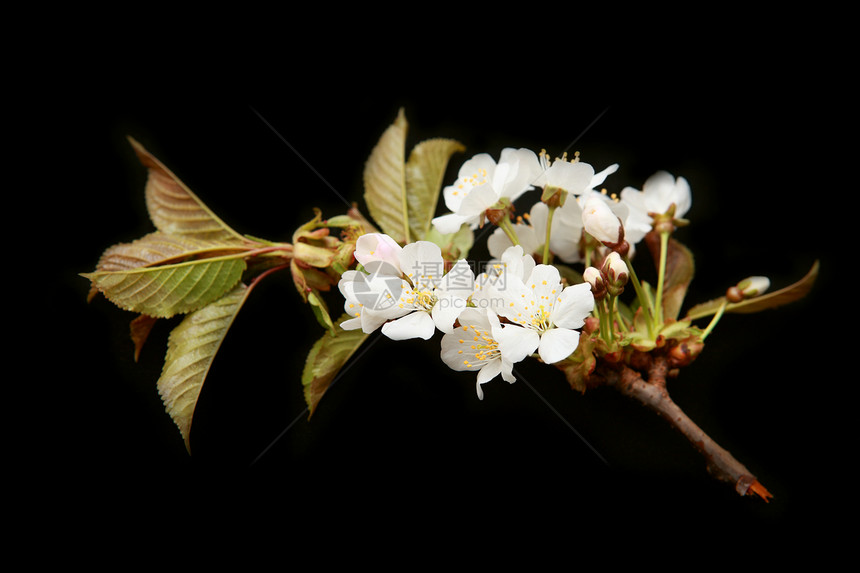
(610, 278)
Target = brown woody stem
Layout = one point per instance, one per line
(653, 394)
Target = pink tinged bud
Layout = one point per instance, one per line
(616, 269)
(377, 247)
(594, 277)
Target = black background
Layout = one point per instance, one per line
(399, 436)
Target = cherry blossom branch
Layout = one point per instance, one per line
(653, 394)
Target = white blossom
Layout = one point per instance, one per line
(576, 177)
(659, 192)
(537, 301)
(481, 183)
(564, 240)
(481, 343)
(410, 299)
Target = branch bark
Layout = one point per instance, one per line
(653, 394)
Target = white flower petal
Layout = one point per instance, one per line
(557, 344)
(476, 319)
(489, 371)
(565, 239)
(570, 212)
(479, 390)
(511, 299)
(599, 178)
(474, 172)
(659, 192)
(516, 172)
(683, 198)
(449, 223)
(508, 371)
(422, 262)
(351, 324)
(575, 305)
(446, 310)
(572, 177)
(518, 263)
(371, 320)
(538, 216)
(455, 354)
(544, 281)
(459, 280)
(528, 238)
(377, 291)
(479, 200)
(416, 324)
(516, 342)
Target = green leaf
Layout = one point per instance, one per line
(159, 249)
(174, 208)
(166, 290)
(425, 172)
(680, 329)
(191, 349)
(325, 360)
(312, 255)
(385, 182)
(773, 299)
(320, 310)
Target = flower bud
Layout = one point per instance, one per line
(748, 288)
(754, 286)
(377, 247)
(600, 222)
(684, 352)
(595, 278)
(616, 269)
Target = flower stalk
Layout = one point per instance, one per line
(714, 320)
(546, 259)
(644, 300)
(661, 278)
(504, 223)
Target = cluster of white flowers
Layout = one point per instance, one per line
(516, 308)
(586, 209)
(406, 292)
